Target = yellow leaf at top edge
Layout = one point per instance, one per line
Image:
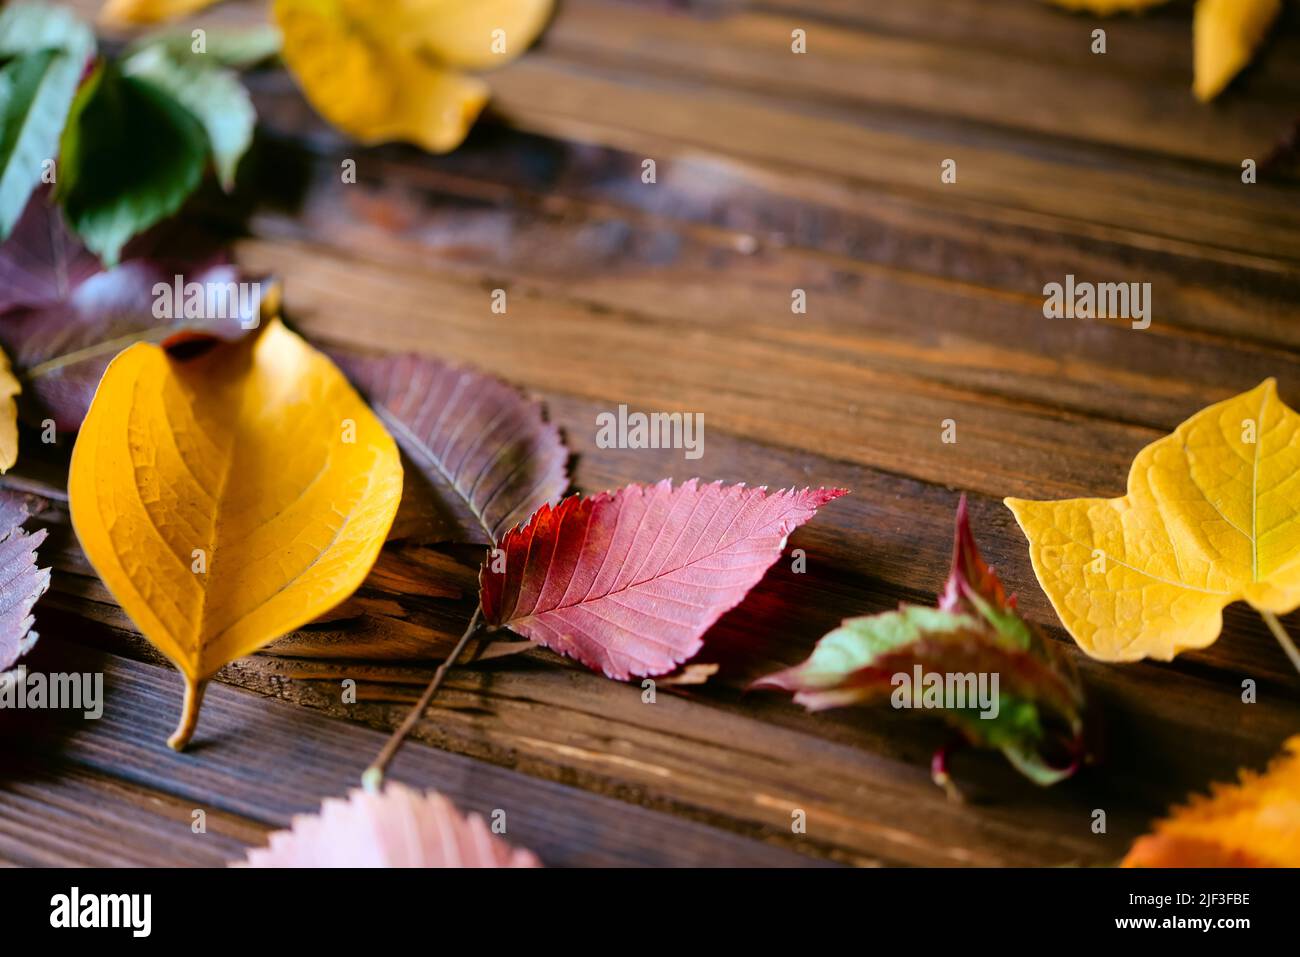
(1254, 823)
(138, 12)
(480, 35)
(1212, 516)
(1108, 7)
(9, 392)
(228, 499)
(366, 76)
(1225, 35)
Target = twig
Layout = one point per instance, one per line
(373, 778)
(1282, 637)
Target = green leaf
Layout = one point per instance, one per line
(131, 155)
(32, 27)
(237, 49)
(49, 47)
(214, 95)
(36, 91)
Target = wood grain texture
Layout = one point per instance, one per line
(774, 172)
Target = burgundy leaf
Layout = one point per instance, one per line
(398, 828)
(21, 582)
(60, 351)
(627, 582)
(41, 262)
(489, 457)
(969, 574)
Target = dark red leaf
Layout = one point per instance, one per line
(21, 582)
(489, 457)
(627, 582)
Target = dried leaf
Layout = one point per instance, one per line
(489, 457)
(1226, 34)
(1209, 519)
(9, 390)
(398, 828)
(138, 12)
(1036, 720)
(1108, 7)
(24, 583)
(231, 498)
(388, 72)
(42, 263)
(627, 582)
(1254, 823)
(67, 318)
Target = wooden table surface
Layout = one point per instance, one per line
(775, 171)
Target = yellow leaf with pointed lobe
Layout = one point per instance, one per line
(9, 391)
(228, 499)
(1212, 516)
(1254, 823)
(137, 12)
(1225, 35)
(387, 71)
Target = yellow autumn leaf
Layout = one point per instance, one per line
(137, 12)
(387, 71)
(1210, 518)
(1225, 35)
(1254, 823)
(228, 499)
(1108, 7)
(9, 391)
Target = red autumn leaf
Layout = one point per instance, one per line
(21, 582)
(397, 828)
(627, 582)
(489, 457)
(62, 317)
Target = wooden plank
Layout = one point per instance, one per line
(259, 762)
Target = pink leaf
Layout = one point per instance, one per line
(628, 582)
(398, 828)
(21, 582)
(489, 457)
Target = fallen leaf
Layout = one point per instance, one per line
(129, 157)
(1036, 720)
(382, 73)
(1225, 36)
(627, 582)
(24, 583)
(42, 262)
(1209, 518)
(239, 49)
(1254, 823)
(214, 95)
(1108, 7)
(65, 318)
(396, 828)
(140, 12)
(228, 499)
(9, 390)
(488, 456)
(49, 47)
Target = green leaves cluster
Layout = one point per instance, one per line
(123, 140)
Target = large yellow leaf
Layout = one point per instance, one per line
(1225, 35)
(1255, 823)
(231, 498)
(385, 71)
(9, 390)
(1212, 516)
